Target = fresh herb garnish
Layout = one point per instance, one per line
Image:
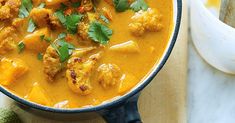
(72, 22)
(121, 5)
(42, 37)
(31, 25)
(21, 46)
(63, 48)
(139, 5)
(103, 18)
(25, 8)
(47, 39)
(99, 32)
(42, 5)
(62, 35)
(76, 4)
(40, 56)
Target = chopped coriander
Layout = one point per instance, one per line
(99, 32)
(47, 39)
(21, 46)
(63, 6)
(31, 25)
(121, 5)
(41, 5)
(42, 37)
(64, 52)
(62, 35)
(76, 4)
(139, 5)
(40, 56)
(72, 22)
(103, 18)
(63, 42)
(60, 15)
(25, 8)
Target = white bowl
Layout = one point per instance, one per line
(214, 40)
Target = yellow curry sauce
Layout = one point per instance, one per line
(113, 72)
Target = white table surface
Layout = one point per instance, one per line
(211, 93)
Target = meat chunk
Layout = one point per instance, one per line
(9, 8)
(144, 21)
(6, 40)
(108, 75)
(51, 62)
(11, 69)
(79, 73)
(44, 17)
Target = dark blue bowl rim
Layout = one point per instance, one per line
(117, 101)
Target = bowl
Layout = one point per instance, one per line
(213, 39)
(122, 109)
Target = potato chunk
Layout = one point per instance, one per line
(11, 70)
(79, 72)
(108, 75)
(127, 82)
(33, 41)
(144, 21)
(126, 47)
(38, 95)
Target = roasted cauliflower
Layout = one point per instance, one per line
(143, 21)
(79, 72)
(6, 40)
(9, 8)
(51, 62)
(108, 75)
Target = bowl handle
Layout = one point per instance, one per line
(124, 113)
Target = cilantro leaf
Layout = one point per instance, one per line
(42, 37)
(63, 52)
(99, 32)
(31, 25)
(121, 5)
(42, 5)
(103, 18)
(25, 8)
(60, 15)
(62, 35)
(21, 46)
(139, 5)
(62, 42)
(76, 4)
(40, 56)
(72, 22)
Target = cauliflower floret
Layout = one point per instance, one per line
(44, 17)
(9, 8)
(6, 41)
(79, 73)
(108, 75)
(51, 62)
(143, 21)
(17, 22)
(83, 30)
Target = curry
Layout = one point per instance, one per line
(76, 53)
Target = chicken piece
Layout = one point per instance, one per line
(83, 30)
(11, 69)
(9, 8)
(79, 72)
(52, 64)
(144, 21)
(7, 42)
(108, 75)
(34, 43)
(44, 17)
(126, 47)
(38, 95)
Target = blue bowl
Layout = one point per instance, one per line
(120, 110)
